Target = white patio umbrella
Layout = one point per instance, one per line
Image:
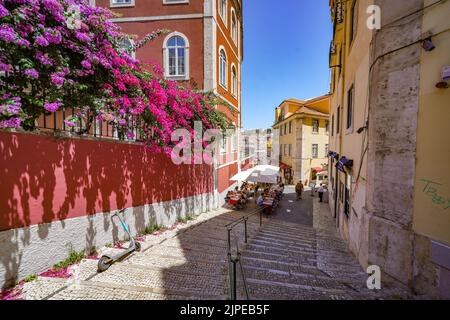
(241, 176)
(264, 174)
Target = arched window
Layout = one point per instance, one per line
(176, 56)
(223, 68)
(127, 46)
(223, 10)
(233, 26)
(233, 81)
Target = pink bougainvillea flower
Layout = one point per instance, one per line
(41, 41)
(32, 73)
(52, 106)
(3, 11)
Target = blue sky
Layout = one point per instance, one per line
(286, 45)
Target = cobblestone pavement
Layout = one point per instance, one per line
(296, 255)
(189, 262)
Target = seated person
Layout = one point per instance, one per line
(260, 200)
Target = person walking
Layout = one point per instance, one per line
(321, 191)
(299, 190)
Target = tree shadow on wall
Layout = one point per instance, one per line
(47, 180)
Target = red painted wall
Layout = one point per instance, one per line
(224, 175)
(44, 179)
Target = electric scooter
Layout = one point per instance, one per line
(106, 261)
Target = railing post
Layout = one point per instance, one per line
(260, 218)
(245, 229)
(234, 284)
(229, 240)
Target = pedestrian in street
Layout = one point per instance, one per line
(321, 191)
(299, 190)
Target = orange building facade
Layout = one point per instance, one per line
(202, 50)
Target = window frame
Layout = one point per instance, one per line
(234, 29)
(223, 15)
(316, 155)
(353, 28)
(224, 85)
(338, 120)
(113, 4)
(170, 2)
(166, 59)
(314, 121)
(234, 81)
(350, 109)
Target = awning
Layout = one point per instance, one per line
(317, 169)
(284, 166)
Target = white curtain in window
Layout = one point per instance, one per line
(176, 51)
(223, 68)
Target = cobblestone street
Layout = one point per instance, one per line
(296, 255)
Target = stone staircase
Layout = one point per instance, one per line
(293, 261)
(188, 263)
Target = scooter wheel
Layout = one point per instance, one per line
(104, 263)
(138, 246)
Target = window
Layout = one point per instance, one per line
(223, 144)
(233, 81)
(332, 125)
(234, 142)
(223, 68)
(348, 183)
(315, 151)
(290, 127)
(176, 56)
(327, 148)
(354, 20)
(285, 128)
(223, 10)
(338, 120)
(315, 124)
(127, 46)
(175, 1)
(233, 26)
(350, 105)
(290, 150)
(121, 3)
(327, 126)
(281, 149)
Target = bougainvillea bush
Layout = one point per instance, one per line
(58, 54)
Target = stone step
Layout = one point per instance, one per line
(276, 264)
(60, 289)
(279, 240)
(275, 236)
(321, 283)
(121, 274)
(258, 289)
(189, 255)
(276, 256)
(180, 264)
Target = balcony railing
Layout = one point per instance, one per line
(87, 126)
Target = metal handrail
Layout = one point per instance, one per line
(233, 261)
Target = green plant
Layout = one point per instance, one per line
(30, 278)
(73, 258)
(152, 228)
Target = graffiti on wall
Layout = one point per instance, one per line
(433, 190)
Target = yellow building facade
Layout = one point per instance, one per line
(301, 132)
(389, 138)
